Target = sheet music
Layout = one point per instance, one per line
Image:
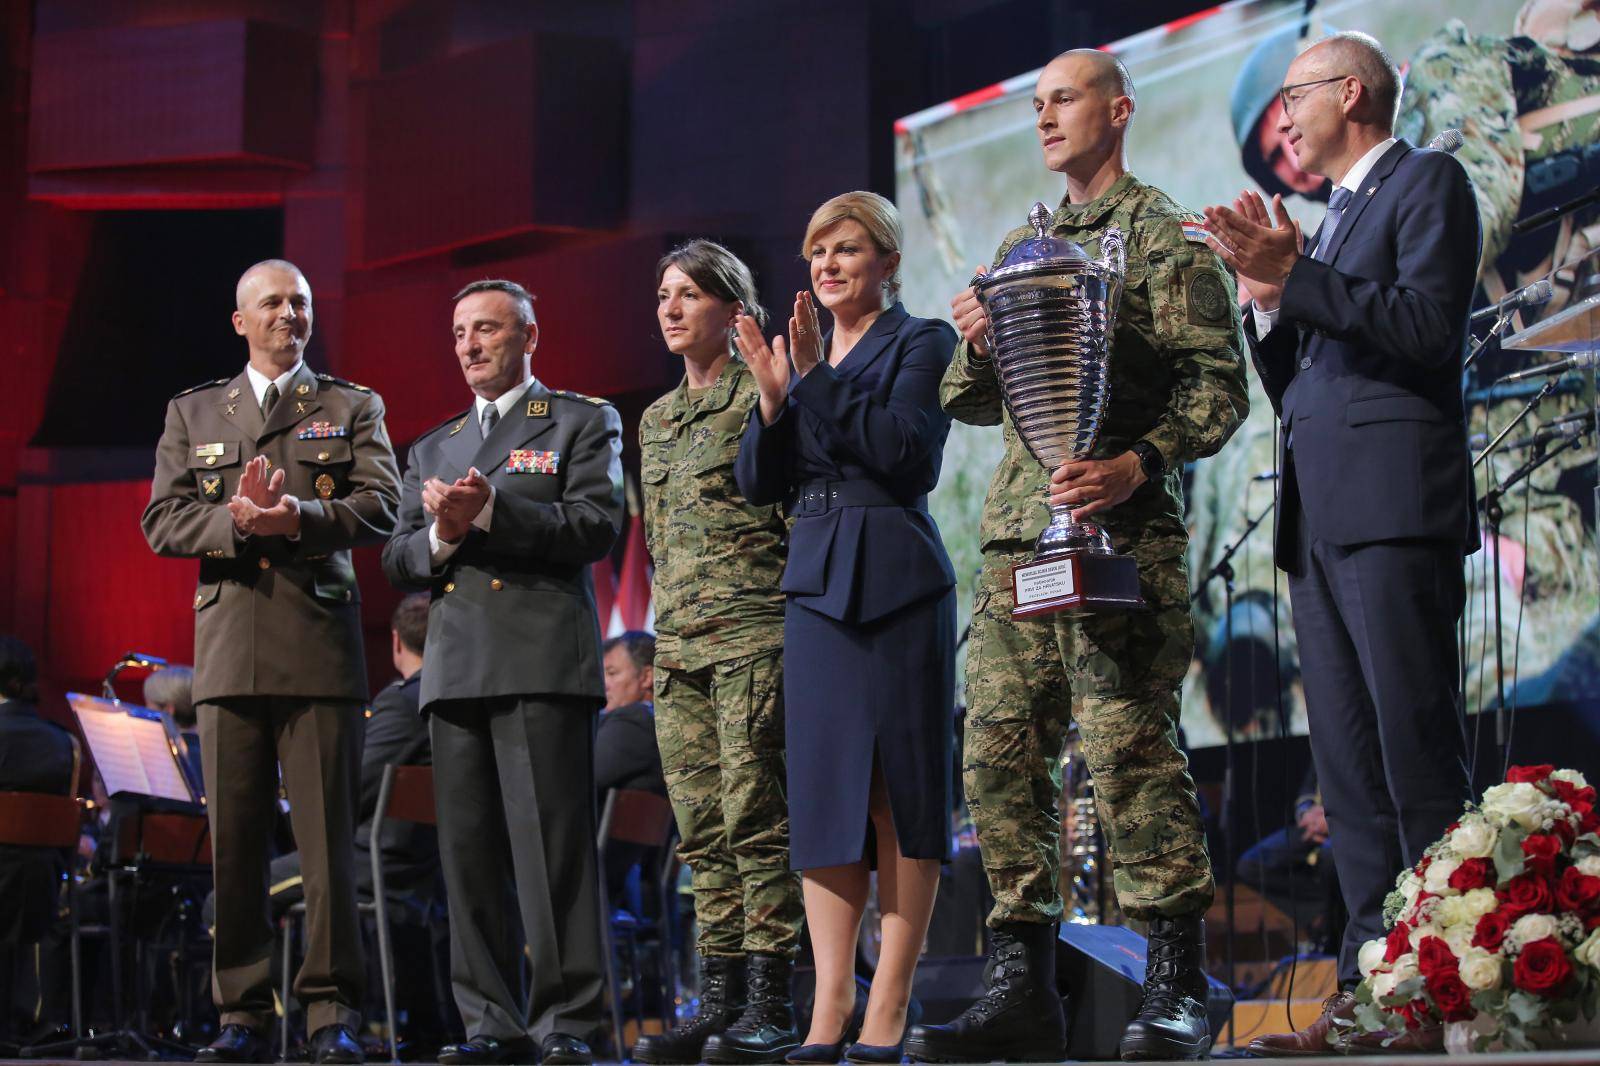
(131, 748)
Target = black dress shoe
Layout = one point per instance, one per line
(559, 1049)
(336, 1043)
(817, 1053)
(487, 1051)
(236, 1043)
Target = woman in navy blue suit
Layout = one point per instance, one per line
(850, 438)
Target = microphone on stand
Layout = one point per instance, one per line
(1448, 141)
(1531, 295)
(1568, 426)
(140, 659)
(1575, 361)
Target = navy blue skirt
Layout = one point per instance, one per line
(852, 690)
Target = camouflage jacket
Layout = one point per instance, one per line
(718, 557)
(1177, 370)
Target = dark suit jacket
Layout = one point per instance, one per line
(396, 733)
(513, 609)
(35, 756)
(876, 418)
(1364, 364)
(625, 752)
(274, 616)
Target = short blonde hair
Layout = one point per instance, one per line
(877, 216)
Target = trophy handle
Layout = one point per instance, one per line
(1114, 260)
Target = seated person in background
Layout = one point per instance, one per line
(172, 690)
(1293, 869)
(35, 756)
(626, 756)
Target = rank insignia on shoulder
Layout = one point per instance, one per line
(322, 431)
(538, 408)
(211, 488)
(203, 450)
(1194, 230)
(530, 462)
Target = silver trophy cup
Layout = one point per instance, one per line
(1052, 311)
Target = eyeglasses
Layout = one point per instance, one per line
(1289, 102)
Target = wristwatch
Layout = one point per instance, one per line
(1155, 467)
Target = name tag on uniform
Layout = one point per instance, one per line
(204, 450)
(322, 431)
(529, 462)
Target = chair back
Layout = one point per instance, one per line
(39, 820)
(410, 794)
(634, 816)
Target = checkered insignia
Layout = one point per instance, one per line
(322, 431)
(529, 462)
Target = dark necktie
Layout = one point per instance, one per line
(269, 400)
(491, 415)
(1330, 222)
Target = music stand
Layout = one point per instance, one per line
(137, 753)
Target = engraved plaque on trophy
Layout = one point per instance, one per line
(1052, 311)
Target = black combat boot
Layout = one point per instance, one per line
(766, 1031)
(1171, 1023)
(722, 999)
(1019, 1019)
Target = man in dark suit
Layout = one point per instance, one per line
(626, 754)
(270, 478)
(504, 507)
(35, 756)
(1358, 337)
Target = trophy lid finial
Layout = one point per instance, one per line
(1039, 219)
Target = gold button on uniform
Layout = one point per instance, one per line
(211, 460)
(322, 457)
(497, 584)
(449, 586)
(264, 563)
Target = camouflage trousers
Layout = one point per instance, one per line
(720, 730)
(1122, 670)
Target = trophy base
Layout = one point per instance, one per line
(1075, 581)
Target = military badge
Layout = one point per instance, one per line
(211, 488)
(530, 462)
(302, 390)
(538, 408)
(322, 431)
(1194, 230)
(233, 394)
(299, 407)
(1208, 299)
(324, 484)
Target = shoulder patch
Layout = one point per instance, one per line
(330, 379)
(567, 394)
(203, 385)
(1207, 298)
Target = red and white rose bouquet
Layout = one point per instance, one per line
(1495, 933)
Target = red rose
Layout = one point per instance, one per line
(1579, 799)
(1590, 822)
(1542, 968)
(1415, 1013)
(1527, 893)
(1541, 850)
(1591, 921)
(1471, 874)
(1491, 930)
(1435, 959)
(1399, 942)
(1531, 775)
(1576, 891)
(1451, 998)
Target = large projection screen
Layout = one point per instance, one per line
(968, 170)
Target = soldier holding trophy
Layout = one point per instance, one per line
(1106, 384)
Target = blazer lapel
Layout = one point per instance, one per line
(298, 401)
(1363, 196)
(455, 451)
(238, 406)
(523, 424)
(874, 344)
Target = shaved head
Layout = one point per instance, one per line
(1098, 71)
(241, 290)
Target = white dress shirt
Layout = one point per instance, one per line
(1352, 180)
(260, 381)
(440, 550)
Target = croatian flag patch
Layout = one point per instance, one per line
(1195, 230)
(529, 462)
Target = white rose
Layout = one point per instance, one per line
(1370, 957)
(1588, 952)
(1405, 967)
(1459, 937)
(1474, 839)
(1589, 866)
(1383, 985)
(1479, 969)
(1452, 911)
(1421, 933)
(1437, 879)
(1478, 902)
(1410, 885)
(1518, 802)
(1572, 777)
(1531, 927)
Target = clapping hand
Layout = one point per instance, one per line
(769, 364)
(454, 505)
(805, 334)
(1261, 248)
(260, 507)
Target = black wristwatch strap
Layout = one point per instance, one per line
(1150, 459)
